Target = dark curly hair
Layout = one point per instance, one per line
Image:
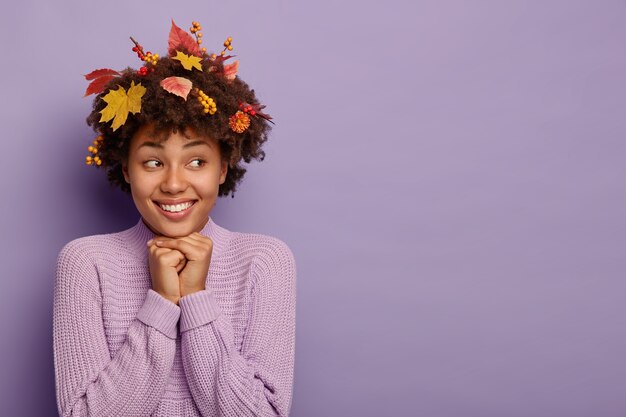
(171, 113)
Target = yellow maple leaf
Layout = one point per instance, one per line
(120, 103)
(188, 61)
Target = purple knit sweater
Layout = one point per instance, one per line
(120, 349)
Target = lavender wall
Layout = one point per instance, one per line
(449, 175)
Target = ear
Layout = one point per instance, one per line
(223, 172)
(125, 171)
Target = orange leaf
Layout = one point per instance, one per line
(182, 41)
(177, 85)
(230, 70)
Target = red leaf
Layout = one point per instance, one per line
(97, 85)
(177, 85)
(230, 70)
(222, 58)
(100, 72)
(181, 41)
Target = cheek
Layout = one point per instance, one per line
(142, 185)
(208, 185)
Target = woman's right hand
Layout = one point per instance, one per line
(164, 266)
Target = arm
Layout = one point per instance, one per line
(89, 382)
(258, 380)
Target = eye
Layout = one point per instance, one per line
(197, 163)
(153, 163)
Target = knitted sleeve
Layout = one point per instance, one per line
(89, 382)
(258, 380)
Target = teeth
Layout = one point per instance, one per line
(176, 208)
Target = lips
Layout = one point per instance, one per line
(175, 209)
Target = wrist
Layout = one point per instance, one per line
(188, 291)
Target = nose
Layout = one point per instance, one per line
(174, 180)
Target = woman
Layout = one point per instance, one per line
(175, 316)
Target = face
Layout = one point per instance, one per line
(174, 181)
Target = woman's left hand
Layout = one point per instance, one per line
(197, 250)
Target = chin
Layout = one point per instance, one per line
(175, 229)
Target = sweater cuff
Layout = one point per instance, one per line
(197, 309)
(160, 313)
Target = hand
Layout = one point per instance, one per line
(165, 264)
(197, 250)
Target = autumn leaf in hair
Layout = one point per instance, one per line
(230, 70)
(255, 110)
(120, 103)
(189, 61)
(99, 78)
(181, 40)
(177, 85)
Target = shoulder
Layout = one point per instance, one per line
(90, 250)
(267, 253)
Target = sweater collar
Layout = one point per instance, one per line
(140, 234)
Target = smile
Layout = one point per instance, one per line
(176, 208)
(177, 211)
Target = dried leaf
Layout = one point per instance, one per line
(97, 85)
(181, 40)
(222, 58)
(177, 85)
(120, 103)
(230, 70)
(188, 61)
(101, 72)
(100, 78)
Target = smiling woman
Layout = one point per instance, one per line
(176, 316)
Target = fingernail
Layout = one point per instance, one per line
(150, 242)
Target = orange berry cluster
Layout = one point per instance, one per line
(94, 159)
(195, 30)
(227, 45)
(239, 121)
(151, 58)
(207, 102)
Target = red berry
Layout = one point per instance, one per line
(252, 112)
(135, 49)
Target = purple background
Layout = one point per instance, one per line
(449, 175)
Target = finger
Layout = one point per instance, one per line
(156, 238)
(192, 249)
(200, 238)
(169, 257)
(181, 265)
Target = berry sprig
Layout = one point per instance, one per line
(207, 102)
(195, 31)
(94, 159)
(227, 47)
(147, 57)
(247, 109)
(255, 110)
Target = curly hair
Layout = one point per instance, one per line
(171, 113)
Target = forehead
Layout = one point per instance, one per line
(149, 137)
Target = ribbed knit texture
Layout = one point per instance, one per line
(120, 349)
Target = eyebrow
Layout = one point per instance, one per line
(185, 146)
